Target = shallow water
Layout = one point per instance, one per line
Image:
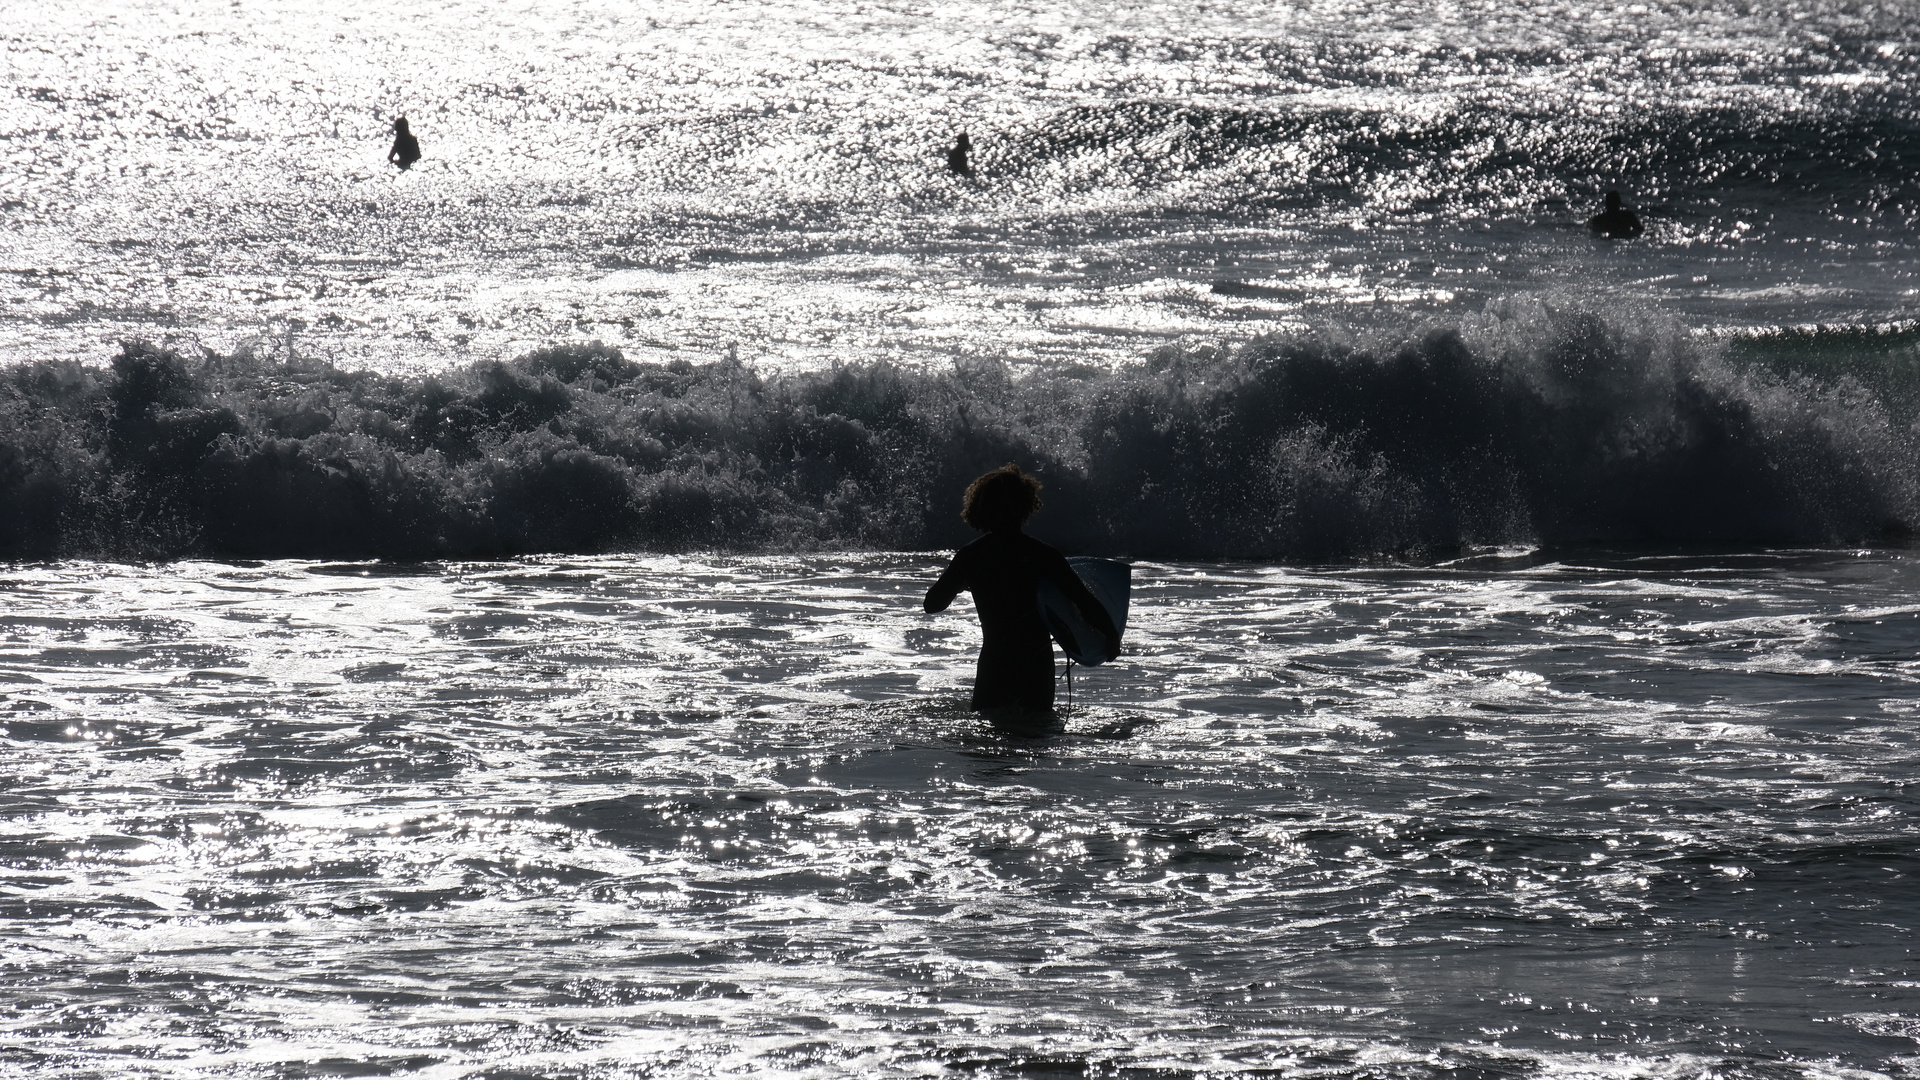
(651, 816)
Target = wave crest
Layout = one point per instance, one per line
(1233, 162)
(1528, 424)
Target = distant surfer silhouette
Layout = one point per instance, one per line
(406, 148)
(1615, 222)
(1003, 570)
(958, 162)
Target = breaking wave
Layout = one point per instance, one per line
(1238, 161)
(1528, 424)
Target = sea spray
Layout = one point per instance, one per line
(1529, 423)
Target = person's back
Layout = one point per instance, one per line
(1003, 570)
(1615, 222)
(957, 162)
(406, 148)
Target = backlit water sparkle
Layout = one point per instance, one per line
(1542, 815)
(726, 816)
(684, 177)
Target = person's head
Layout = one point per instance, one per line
(1613, 200)
(1001, 500)
(400, 124)
(963, 142)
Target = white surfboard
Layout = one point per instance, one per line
(1108, 581)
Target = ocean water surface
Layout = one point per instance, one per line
(680, 178)
(464, 622)
(651, 816)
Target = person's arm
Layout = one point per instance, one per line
(1061, 573)
(945, 589)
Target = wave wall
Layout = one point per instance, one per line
(1237, 163)
(1530, 424)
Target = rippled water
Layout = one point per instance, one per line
(1601, 816)
(687, 177)
(1604, 815)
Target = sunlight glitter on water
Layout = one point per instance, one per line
(214, 172)
(699, 816)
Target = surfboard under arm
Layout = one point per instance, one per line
(1109, 582)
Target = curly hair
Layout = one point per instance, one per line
(1002, 499)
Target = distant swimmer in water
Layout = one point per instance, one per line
(957, 162)
(406, 148)
(1003, 570)
(1615, 222)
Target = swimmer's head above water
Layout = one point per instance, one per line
(1001, 501)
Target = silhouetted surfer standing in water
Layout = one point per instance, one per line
(1615, 222)
(406, 148)
(1003, 570)
(957, 162)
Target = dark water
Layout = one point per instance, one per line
(1597, 816)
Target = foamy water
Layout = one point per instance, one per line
(688, 817)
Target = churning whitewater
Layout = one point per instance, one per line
(1528, 426)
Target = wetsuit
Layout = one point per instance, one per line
(957, 162)
(406, 149)
(1003, 570)
(1615, 224)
